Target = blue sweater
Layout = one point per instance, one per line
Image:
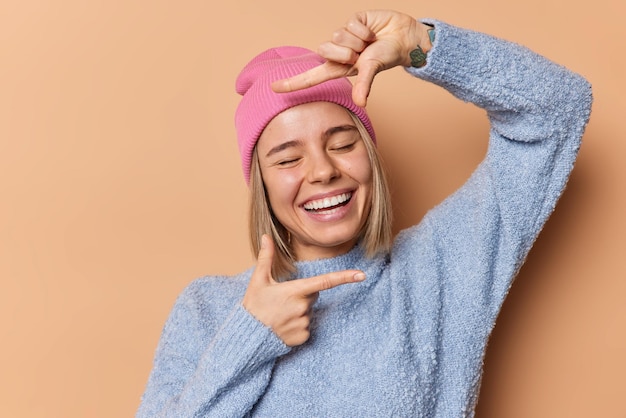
(409, 341)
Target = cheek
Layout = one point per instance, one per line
(360, 169)
(366, 173)
(281, 189)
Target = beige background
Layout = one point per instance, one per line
(120, 183)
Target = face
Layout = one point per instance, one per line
(318, 178)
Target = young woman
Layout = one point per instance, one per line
(336, 319)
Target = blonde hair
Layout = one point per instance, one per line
(375, 237)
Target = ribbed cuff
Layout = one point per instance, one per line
(245, 343)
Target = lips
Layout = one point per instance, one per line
(328, 203)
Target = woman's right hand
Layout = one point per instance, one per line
(369, 42)
(286, 307)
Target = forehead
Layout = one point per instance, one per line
(303, 122)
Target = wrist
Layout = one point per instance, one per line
(422, 44)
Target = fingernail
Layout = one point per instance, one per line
(359, 277)
(263, 241)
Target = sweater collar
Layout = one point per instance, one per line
(353, 259)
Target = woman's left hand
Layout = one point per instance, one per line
(370, 42)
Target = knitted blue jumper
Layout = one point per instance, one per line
(409, 341)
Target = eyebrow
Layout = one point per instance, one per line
(283, 146)
(295, 143)
(337, 129)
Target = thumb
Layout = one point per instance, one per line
(263, 270)
(363, 83)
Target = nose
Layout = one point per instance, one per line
(322, 168)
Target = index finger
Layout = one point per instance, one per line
(312, 77)
(327, 281)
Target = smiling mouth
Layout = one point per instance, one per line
(328, 203)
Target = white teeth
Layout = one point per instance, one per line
(327, 202)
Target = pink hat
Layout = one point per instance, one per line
(260, 104)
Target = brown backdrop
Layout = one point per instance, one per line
(120, 183)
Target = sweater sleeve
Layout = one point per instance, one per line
(537, 111)
(209, 364)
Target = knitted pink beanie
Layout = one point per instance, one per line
(260, 104)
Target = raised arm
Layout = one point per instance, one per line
(537, 110)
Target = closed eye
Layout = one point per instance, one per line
(287, 162)
(343, 147)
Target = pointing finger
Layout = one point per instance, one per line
(312, 77)
(312, 285)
